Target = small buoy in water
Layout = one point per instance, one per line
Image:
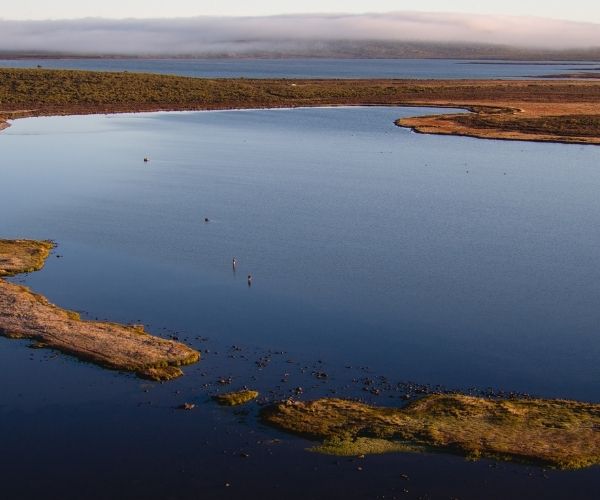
(146, 159)
(234, 262)
(206, 219)
(249, 280)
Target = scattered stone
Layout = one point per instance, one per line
(187, 406)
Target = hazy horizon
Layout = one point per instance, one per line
(281, 33)
(575, 10)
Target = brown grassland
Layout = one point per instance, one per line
(539, 110)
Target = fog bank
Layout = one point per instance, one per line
(242, 35)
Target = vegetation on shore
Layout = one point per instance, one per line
(23, 256)
(236, 398)
(563, 126)
(558, 433)
(25, 314)
(523, 109)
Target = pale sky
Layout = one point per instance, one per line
(579, 10)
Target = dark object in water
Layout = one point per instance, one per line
(206, 219)
(146, 159)
(249, 280)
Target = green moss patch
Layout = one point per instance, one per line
(236, 398)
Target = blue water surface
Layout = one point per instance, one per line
(378, 255)
(317, 68)
(444, 260)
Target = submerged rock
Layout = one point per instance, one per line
(187, 406)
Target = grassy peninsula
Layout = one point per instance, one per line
(561, 434)
(540, 110)
(25, 314)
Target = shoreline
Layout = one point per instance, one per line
(427, 125)
(435, 124)
(537, 110)
(25, 314)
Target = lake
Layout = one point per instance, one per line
(317, 68)
(375, 252)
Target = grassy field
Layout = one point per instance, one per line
(566, 111)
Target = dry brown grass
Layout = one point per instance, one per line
(499, 105)
(567, 122)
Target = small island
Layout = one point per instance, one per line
(556, 433)
(236, 398)
(27, 315)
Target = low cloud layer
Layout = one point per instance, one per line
(205, 35)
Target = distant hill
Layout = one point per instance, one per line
(351, 49)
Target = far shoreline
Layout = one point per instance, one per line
(557, 111)
(434, 124)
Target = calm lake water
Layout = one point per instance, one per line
(374, 250)
(316, 68)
